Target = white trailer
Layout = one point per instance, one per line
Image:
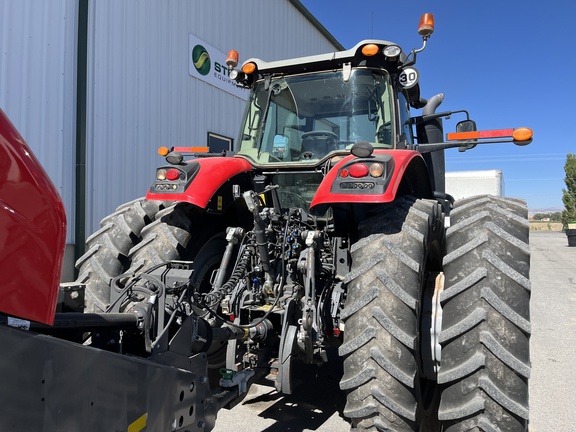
(463, 184)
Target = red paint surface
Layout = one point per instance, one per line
(402, 159)
(213, 173)
(32, 231)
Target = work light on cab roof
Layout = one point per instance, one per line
(250, 70)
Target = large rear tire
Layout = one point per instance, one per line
(486, 317)
(399, 248)
(107, 249)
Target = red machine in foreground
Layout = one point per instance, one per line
(32, 231)
(324, 229)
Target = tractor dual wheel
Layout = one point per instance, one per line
(107, 250)
(399, 248)
(486, 317)
(139, 235)
(176, 232)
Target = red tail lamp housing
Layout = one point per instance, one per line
(172, 174)
(358, 170)
(363, 169)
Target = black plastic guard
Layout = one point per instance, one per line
(48, 384)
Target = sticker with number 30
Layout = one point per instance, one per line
(408, 77)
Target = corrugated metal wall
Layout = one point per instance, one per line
(38, 84)
(140, 95)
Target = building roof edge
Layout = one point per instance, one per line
(314, 21)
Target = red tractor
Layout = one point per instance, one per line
(325, 229)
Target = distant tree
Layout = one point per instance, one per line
(553, 217)
(556, 217)
(569, 194)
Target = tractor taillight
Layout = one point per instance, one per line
(172, 174)
(376, 170)
(358, 170)
(161, 174)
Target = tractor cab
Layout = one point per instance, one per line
(301, 120)
(305, 111)
(299, 125)
(304, 115)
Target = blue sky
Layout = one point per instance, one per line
(510, 63)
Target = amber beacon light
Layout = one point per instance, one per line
(426, 25)
(232, 59)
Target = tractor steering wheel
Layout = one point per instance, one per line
(320, 134)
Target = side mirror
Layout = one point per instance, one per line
(466, 126)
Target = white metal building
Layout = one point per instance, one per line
(96, 86)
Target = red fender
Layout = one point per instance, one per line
(213, 172)
(336, 189)
(32, 231)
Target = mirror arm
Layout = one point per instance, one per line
(427, 117)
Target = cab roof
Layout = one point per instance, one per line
(331, 60)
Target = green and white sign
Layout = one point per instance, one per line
(208, 64)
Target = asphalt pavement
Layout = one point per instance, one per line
(317, 403)
(553, 341)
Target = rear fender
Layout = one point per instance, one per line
(206, 183)
(405, 172)
(32, 231)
